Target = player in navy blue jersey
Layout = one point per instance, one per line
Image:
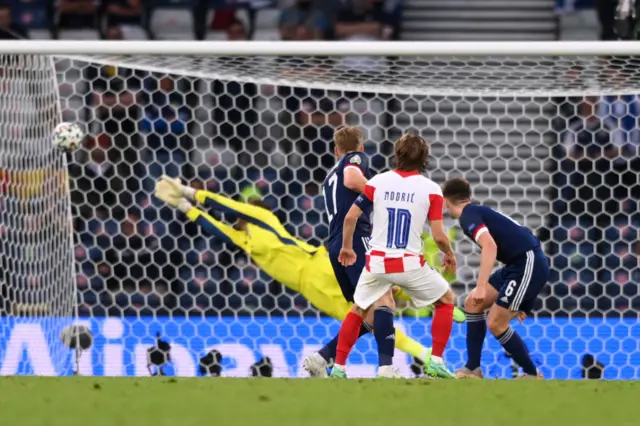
(344, 183)
(510, 291)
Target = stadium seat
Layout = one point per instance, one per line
(267, 19)
(172, 20)
(84, 34)
(216, 36)
(41, 34)
(260, 18)
(268, 35)
(134, 32)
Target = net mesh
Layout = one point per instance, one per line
(37, 277)
(446, 76)
(551, 141)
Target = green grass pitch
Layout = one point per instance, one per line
(84, 401)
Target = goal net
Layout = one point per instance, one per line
(549, 139)
(37, 277)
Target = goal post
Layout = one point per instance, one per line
(546, 132)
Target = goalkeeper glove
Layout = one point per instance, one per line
(167, 193)
(178, 189)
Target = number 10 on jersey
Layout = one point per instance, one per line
(398, 228)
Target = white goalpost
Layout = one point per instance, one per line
(546, 132)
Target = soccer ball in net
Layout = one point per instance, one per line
(67, 137)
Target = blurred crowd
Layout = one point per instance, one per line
(246, 140)
(593, 237)
(202, 19)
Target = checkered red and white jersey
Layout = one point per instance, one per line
(402, 203)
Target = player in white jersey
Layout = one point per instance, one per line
(402, 201)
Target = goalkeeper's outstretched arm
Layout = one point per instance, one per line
(173, 193)
(217, 229)
(255, 215)
(252, 214)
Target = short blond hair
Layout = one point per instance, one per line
(348, 138)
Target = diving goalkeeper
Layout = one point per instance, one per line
(300, 266)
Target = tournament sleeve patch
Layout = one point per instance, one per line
(355, 160)
(369, 192)
(364, 203)
(436, 204)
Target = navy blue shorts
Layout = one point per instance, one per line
(348, 276)
(519, 284)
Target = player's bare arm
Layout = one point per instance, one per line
(347, 256)
(487, 261)
(354, 179)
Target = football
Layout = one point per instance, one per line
(67, 137)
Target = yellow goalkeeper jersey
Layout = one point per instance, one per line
(298, 265)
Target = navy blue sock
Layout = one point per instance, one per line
(513, 344)
(385, 334)
(476, 332)
(328, 352)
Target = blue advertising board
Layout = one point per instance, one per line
(32, 346)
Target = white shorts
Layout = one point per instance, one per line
(425, 286)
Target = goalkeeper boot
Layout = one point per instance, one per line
(315, 365)
(439, 370)
(459, 315)
(465, 373)
(338, 372)
(388, 372)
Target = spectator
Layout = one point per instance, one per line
(9, 30)
(589, 135)
(165, 127)
(625, 110)
(365, 20)
(98, 185)
(123, 12)
(234, 114)
(607, 17)
(113, 98)
(236, 31)
(113, 33)
(302, 21)
(320, 113)
(75, 14)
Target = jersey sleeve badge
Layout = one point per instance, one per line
(355, 160)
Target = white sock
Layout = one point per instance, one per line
(436, 359)
(339, 367)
